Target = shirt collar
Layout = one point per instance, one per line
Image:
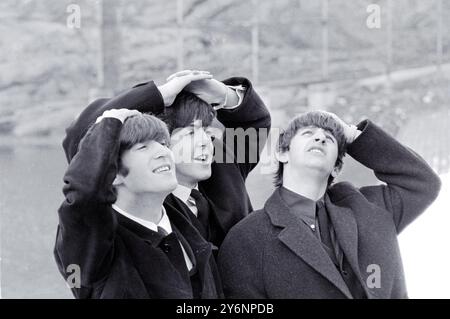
(183, 192)
(164, 222)
(301, 206)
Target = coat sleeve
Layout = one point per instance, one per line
(86, 229)
(250, 122)
(236, 154)
(411, 185)
(144, 97)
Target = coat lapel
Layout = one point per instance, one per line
(299, 239)
(201, 249)
(346, 230)
(181, 207)
(151, 237)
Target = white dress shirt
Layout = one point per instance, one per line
(184, 194)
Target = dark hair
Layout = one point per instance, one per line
(317, 119)
(186, 108)
(137, 129)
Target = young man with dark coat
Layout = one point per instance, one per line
(113, 226)
(314, 239)
(212, 194)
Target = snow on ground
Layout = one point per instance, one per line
(425, 247)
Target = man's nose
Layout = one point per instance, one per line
(319, 136)
(163, 151)
(201, 138)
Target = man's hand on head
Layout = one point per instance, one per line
(178, 81)
(212, 92)
(351, 132)
(120, 114)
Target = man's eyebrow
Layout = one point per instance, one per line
(330, 134)
(137, 145)
(312, 127)
(308, 128)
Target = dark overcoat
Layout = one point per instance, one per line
(271, 254)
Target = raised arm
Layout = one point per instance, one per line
(86, 227)
(144, 97)
(252, 119)
(238, 151)
(411, 185)
(245, 118)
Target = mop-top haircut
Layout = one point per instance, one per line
(316, 119)
(141, 128)
(187, 108)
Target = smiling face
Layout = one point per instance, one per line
(146, 164)
(313, 148)
(189, 119)
(150, 168)
(193, 151)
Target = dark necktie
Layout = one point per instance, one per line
(162, 231)
(325, 232)
(202, 207)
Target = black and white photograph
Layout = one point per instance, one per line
(224, 150)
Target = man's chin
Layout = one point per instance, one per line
(173, 186)
(318, 168)
(169, 187)
(204, 177)
(203, 173)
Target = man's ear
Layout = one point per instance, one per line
(336, 171)
(118, 180)
(282, 157)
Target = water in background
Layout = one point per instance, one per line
(30, 190)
